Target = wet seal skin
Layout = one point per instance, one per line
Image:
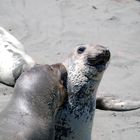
(38, 94)
(85, 67)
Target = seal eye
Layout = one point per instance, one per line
(81, 49)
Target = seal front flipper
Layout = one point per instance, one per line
(114, 104)
(5, 36)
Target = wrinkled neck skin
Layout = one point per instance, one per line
(74, 121)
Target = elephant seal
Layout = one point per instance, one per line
(85, 68)
(38, 94)
(13, 58)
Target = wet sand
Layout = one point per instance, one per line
(49, 30)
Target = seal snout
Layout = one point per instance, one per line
(105, 55)
(101, 58)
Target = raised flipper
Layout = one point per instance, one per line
(13, 59)
(6, 37)
(114, 104)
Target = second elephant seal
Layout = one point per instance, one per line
(38, 94)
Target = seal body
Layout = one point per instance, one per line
(85, 68)
(37, 96)
(13, 58)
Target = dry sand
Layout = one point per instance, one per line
(49, 29)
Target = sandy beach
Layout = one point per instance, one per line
(50, 29)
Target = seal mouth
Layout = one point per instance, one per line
(100, 60)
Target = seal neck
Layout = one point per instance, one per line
(74, 121)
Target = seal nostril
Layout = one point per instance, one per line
(106, 55)
(100, 59)
(81, 49)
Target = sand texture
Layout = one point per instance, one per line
(50, 29)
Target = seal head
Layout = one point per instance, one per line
(87, 62)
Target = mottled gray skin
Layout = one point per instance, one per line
(38, 94)
(85, 68)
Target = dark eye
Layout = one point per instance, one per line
(81, 49)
